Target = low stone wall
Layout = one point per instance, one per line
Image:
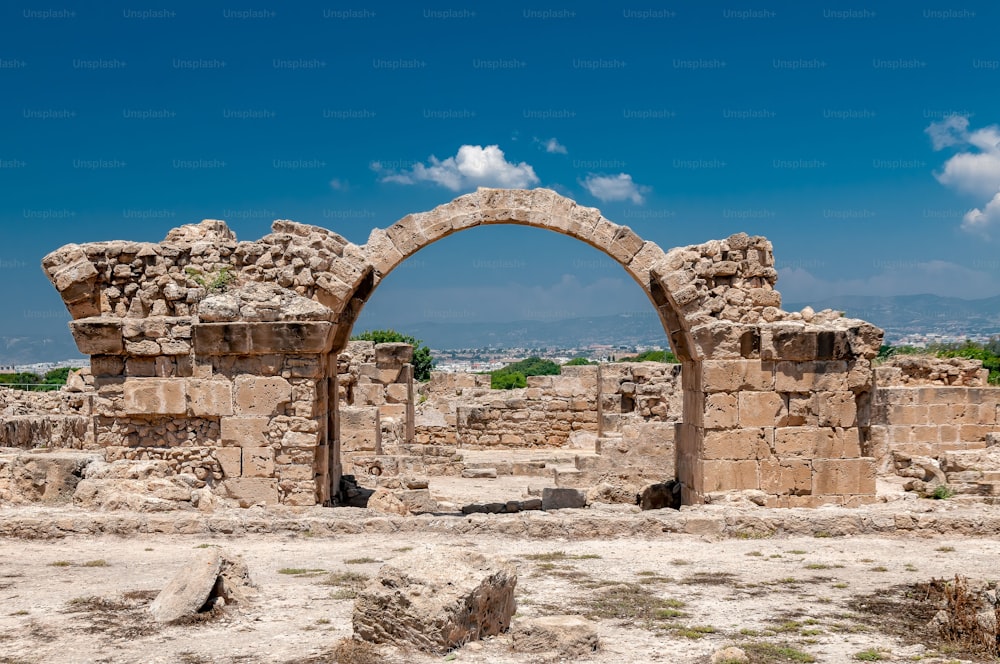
(57, 419)
(929, 421)
(908, 370)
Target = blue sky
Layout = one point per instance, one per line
(861, 138)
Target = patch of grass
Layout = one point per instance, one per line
(945, 549)
(60, 563)
(632, 603)
(753, 553)
(942, 492)
(817, 566)
(300, 571)
(403, 549)
(841, 585)
(822, 534)
(798, 552)
(203, 546)
(96, 563)
(753, 534)
(775, 555)
(769, 653)
(323, 621)
(788, 581)
(680, 561)
(910, 567)
(552, 556)
(148, 548)
(695, 632)
(869, 655)
(710, 579)
(22, 612)
(360, 561)
(347, 584)
(880, 568)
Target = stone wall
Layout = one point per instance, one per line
(59, 419)
(186, 333)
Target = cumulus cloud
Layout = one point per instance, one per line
(552, 146)
(339, 185)
(615, 188)
(473, 166)
(974, 170)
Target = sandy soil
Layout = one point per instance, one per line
(83, 599)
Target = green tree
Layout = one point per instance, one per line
(652, 356)
(578, 362)
(423, 362)
(515, 374)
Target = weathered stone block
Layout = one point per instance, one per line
(259, 462)
(786, 476)
(761, 409)
(562, 498)
(721, 410)
(729, 475)
(291, 337)
(754, 443)
(98, 336)
(436, 600)
(231, 461)
(249, 491)
(154, 396)
(221, 338)
(843, 476)
(809, 376)
(244, 431)
(735, 375)
(210, 398)
(261, 396)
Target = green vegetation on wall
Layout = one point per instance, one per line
(988, 352)
(652, 356)
(423, 362)
(515, 374)
(32, 382)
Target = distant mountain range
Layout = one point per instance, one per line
(899, 316)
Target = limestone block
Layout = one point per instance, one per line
(836, 409)
(259, 462)
(397, 393)
(249, 491)
(98, 336)
(244, 431)
(291, 337)
(221, 338)
(726, 475)
(210, 398)
(298, 439)
(436, 600)
(843, 476)
(261, 396)
(155, 396)
(761, 409)
(752, 443)
(293, 471)
(393, 355)
(230, 460)
(369, 394)
(734, 375)
(76, 281)
(786, 476)
(817, 442)
(555, 638)
(189, 590)
(810, 376)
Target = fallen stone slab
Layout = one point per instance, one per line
(436, 600)
(211, 576)
(480, 473)
(562, 498)
(555, 637)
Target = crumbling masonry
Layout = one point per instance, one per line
(221, 355)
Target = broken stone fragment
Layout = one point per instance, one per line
(212, 574)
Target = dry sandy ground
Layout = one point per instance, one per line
(796, 591)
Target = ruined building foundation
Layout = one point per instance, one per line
(221, 356)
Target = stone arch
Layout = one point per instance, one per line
(388, 248)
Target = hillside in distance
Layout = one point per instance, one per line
(899, 316)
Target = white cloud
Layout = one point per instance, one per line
(473, 166)
(552, 146)
(974, 170)
(615, 188)
(339, 185)
(979, 221)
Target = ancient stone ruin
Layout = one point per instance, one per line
(229, 361)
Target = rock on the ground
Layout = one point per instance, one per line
(386, 502)
(562, 498)
(660, 496)
(211, 574)
(730, 655)
(555, 637)
(435, 600)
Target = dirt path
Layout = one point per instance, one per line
(678, 598)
